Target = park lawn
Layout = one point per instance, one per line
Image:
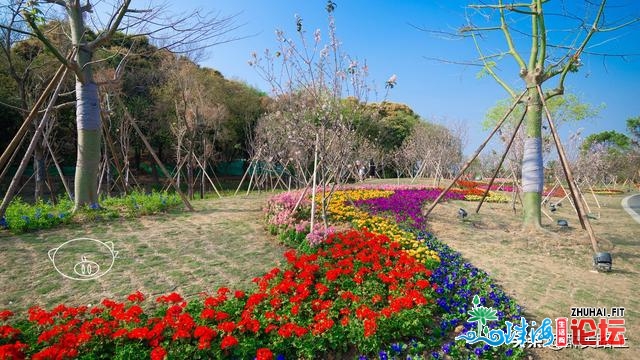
(222, 244)
(550, 272)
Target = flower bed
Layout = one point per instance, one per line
(606, 192)
(386, 290)
(357, 292)
(456, 281)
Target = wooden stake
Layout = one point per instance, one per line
(584, 219)
(32, 145)
(11, 148)
(504, 155)
(475, 155)
(155, 157)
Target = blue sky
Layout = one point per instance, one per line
(381, 33)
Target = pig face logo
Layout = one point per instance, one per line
(83, 258)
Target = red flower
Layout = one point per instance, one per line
(40, 316)
(5, 314)
(370, 327)
(13, 351)
(140, 333)
(136, 297)
(207, 314)
(204, 335)
(171, 298)
(228, 341)
(227, 326)
(321, 289)
(264, 354)
(158, 353)
(239, 294)
(8, 332)
(295, 309)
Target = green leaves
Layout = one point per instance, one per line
(33, 13)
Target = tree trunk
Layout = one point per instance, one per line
(39, 169)
(532, 168)
(88, 120)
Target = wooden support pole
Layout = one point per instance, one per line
(11, 148)
(475, 155)
(114, 155)
(155, 157)
(32, 145)
(204, 173)
(504, 155)
(584, 219)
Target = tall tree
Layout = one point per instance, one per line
(197, 31)
(540, 55)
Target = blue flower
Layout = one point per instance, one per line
(446, 348)
(3, 223)
(509, 352)
(478, 352)
(362, 357)
(383, 355)
(435, 355)
(94, 206)
(280, 357)
(396, 347)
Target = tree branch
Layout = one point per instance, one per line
(489, 69)
(509, 39)
(114, 24)
(67, 62)
(573, 60)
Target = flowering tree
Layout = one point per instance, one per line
(310, 79)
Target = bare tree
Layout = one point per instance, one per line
(540, 54)
(88, 33)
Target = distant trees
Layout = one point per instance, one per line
(121, 72)
(611, 156)
(83, 55)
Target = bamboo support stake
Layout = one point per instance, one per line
(32, 145)
(475, 155)
(584, 219)
(155, 157)
(504, 155)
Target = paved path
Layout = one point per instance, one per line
(632, 205)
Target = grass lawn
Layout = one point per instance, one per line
(224, 244)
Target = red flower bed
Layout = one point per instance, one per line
(358, 289)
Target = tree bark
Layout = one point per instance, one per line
(39, 169)
(88, 120)
(532, 168)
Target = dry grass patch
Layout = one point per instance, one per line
(222, 244)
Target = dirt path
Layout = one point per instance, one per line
(548, 273)
(222, 244)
